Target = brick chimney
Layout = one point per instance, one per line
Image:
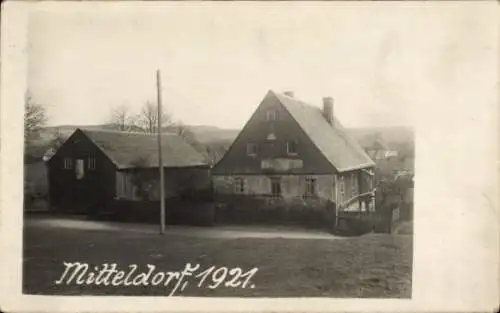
(289, 93)
(328, 109)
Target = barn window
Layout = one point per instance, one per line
(239, 185)
(310, 187)
(91, 161)
(272, 115)
(251, 148)
(68, 163)
(275, 187)
(120, 185)
(291, 147)
(136, 193)
(80, 169)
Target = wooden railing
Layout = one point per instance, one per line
(343, 214)
(363, 196)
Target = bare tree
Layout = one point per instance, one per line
(215, 152)
(58, 139)
(35, 117)
(148, 118)
(121, 118)
(184, 131)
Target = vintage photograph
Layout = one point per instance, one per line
(188, 151)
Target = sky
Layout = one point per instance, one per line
(218, 61)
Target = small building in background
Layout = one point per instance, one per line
(94, 168)
(377, 149)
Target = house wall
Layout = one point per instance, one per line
(292, 186)
(336, 188)
(144, 184)
(272, 155)
(257, 205)
(96, 187)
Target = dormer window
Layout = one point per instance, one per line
(291, 147)
(272, 115)
(251, 148)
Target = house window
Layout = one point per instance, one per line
(239, 185)
(251, 148)
(291, 147)
(275, 187)
(272, 115)
(353, 184)
(310, 187)
(68, 163)
(91, 161)
(342, 188)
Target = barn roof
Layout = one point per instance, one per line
(340, 149)
(129, 150)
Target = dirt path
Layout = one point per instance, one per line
(192, 231)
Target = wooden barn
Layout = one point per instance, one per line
(93, 169)
(294, 155)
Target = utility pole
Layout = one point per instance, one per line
(160, 159)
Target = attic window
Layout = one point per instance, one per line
(68, 163)
(291, 147)
(272, 115)
(251, 148)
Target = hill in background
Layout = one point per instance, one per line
(395, 137)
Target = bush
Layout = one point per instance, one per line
(404, 228)
(178, 212)
(355, 225)
(236, 209)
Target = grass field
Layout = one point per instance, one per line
(367, 266)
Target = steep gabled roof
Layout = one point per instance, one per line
(339, 148)
(126, 149)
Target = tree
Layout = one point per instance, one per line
(215, 151)
(54, 144)
(35, 117)
(121, 118)
(184, 132)
(148, 118)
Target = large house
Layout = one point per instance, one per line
(291, 151)
(93, 168)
